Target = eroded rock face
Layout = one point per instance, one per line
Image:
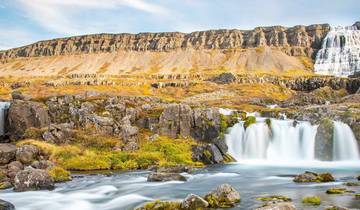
(324, 140)
(26, 114)
(7, 153)
(33, 179)
(224, 196)
(176, 119)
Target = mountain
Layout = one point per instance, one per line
(274, 48)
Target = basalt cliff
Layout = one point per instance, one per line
(274, 48)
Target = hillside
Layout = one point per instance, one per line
(264, 48)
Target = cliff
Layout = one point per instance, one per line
(264, 48)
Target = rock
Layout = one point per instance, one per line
(224, 78)
(175, 120)
(312, 200)
(206, 124)
(208, 154)
(13, 168)
(16, 95)
(43, 164)
(192, 202)
(314, 177)
(163, 177)
(27, 154)
(277, 198)
(176, 169)
(33, 179)
(4, 205)
(324, 140)
(25, 114)
(5, 185)
(278, 206)
(335, 208)
(58, 133)
(224, 196)
(129, 134)
(161, 205)
(338, 191)
(7, 153)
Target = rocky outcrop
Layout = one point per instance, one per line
(26, 114)
(224, 196)
(309, 176)
(324, 140)
(7, 153)
(224, 78)
(33, 179)
(296, 41)
(164, 177)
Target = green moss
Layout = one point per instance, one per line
(313, 200)
(249, 120)
(352, 184)
(34, 133)
(219, 202)
(99, 142)
(338, 191)
(274, 198)
(161, 205)
(59, 174)
(5, 185)
(357, 196)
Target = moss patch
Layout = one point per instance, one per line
(274, 198)
(312, 200)
(249, 120)
(59, 174)
(338, 191)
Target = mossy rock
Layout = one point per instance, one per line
(274, 198)
(357, 196)
(352, 184)
(59, 174)
(324, 140)
(338, 191)
(249, 120)
(161, 205)
(5, 185)
(312, 200)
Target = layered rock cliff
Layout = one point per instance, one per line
(295, 41)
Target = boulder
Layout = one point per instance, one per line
(176, 169)
(4, 205)
(13, 168)
(194, 202)
(25, 114)
(7, 153)
(27, 154)
(43, 164)
(278, 206)
(224, 196)
(163, 177)
(313, 177)
(175, 120)
(58, 133)
(33, 179)
(224, 78)
(324, 140)
(208, 154)
(16, 95)
(161, 205)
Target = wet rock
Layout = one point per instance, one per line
(278, 206)
(224, 196)
(277, 198)
(324, 140)
(163, 177)
(7, 153)
(338, 191)
(4, 205)
(224, 78)
(313, 177)
(33, 179)
(208, 154)
(25, 114)
(192, 202)
(312, 200)
(161, 205)
(27, 154)
(335, 208)
(43, 164)
(176, 169)
(13, 168)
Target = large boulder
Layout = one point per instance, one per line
(163, 177)
(4, 205)
(27, 154)
(175, 120)
(25, 114)
(309, 176)
(33, 179)
(194, 202)
(7, 153)
(224, 196)
(324, 140)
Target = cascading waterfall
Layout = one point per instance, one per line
(340, 53)
(3, 107)
(286, 140)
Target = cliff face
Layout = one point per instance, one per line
(294, 41)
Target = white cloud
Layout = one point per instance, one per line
(62, 16)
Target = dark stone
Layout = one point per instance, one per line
(224, 78)
(4, 205)
(163, 177)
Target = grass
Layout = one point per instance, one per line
(83, 156)
(59, 174)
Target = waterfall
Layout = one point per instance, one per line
(286, 140)
(340, 52)
(3, 108)
(345, 146)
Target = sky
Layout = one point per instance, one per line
(26, 21)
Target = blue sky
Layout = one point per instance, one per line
(26, 21)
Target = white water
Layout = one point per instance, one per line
(286, 142)
(3, 107)
(340, 53)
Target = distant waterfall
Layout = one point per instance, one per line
(286, 140)
(340, 53)
(3, 108)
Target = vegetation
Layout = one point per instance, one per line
(338, 191)
(313, 200)
(249, 120)
(161, 205)
(352, 184)
(274, 198)
(59, 174)
(91, 155)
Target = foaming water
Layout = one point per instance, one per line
(340, 52)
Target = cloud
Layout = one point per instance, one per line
(65, 16)
(10, 38)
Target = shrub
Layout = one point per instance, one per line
(59, 174)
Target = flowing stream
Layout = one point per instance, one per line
(340, 52)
